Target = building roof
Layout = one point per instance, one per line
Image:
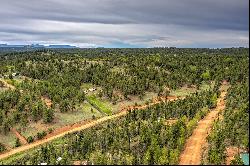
(245, 158)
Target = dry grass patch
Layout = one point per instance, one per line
(170, 121)
(47, 101)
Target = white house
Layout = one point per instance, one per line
(59, 159)
(92, 89)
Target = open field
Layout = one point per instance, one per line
(183, 91)
(84, 111)
(8, 140)
(62, 119)
(133, 100)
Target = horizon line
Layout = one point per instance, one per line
(75, 46)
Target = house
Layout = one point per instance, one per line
(92, 89)
(14, 74)
(59, 159)
(85, 162)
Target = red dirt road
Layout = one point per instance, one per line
(48, 139)
(193, 147)
(77, 127)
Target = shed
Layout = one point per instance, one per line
(245, 158)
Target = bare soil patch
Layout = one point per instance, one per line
(7, 85)
(231, 153)
(79, 162)
(18, 135)
(47, 101)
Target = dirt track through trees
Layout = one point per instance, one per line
(192, 152)
(18, 135)
(75, 128)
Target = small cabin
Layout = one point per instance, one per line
(92, 89)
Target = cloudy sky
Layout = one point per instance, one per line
(126, 23)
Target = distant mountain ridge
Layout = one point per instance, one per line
(36, 46)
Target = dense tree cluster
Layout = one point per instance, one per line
(131, 71)
(141, 137)
(21, 107)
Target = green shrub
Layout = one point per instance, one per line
(2, 147)
(30, 139)
(40, 135)
(50, 130)
(17, 142)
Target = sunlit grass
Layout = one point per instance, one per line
(99, 104)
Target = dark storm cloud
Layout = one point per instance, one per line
(226, 14)
(112, 20)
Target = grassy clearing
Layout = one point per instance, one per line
(30, 131)
(134, 99)
(84, 111)
(183, 91)
(206, 86)
(93, 100)
(86, 86)
(8, 140)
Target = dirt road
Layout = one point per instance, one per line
(74, 128)
(40, 142)
(18, 135)
(193, 147)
